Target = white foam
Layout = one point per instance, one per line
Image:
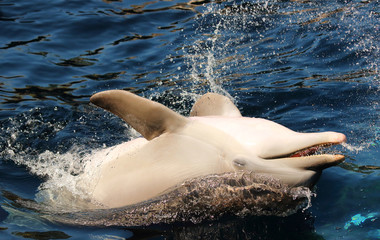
(353, 148)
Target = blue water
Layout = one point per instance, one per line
(309, 65)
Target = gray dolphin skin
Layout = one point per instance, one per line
(215, 139)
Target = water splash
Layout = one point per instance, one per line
(353, 148)
(218, 48)
(59, 147)
(373, 141)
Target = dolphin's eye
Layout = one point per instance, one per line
(239, 162)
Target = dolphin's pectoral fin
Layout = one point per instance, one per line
(212, 104)
(150, 119)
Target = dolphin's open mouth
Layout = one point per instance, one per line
(310, 146)
(311, 150)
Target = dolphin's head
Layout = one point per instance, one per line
(295, 158)
(270, 148)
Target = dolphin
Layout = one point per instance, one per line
(214, 139)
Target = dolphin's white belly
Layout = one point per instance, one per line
(148, 169)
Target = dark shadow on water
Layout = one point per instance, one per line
(364, 169)
(62, 92)
(42, 235)
(297, 226)
(145, 8)
(21, 43)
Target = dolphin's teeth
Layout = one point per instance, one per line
(310, 150)
(305, 152)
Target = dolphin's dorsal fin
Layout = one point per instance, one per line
(213, 104)
(150, 119)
